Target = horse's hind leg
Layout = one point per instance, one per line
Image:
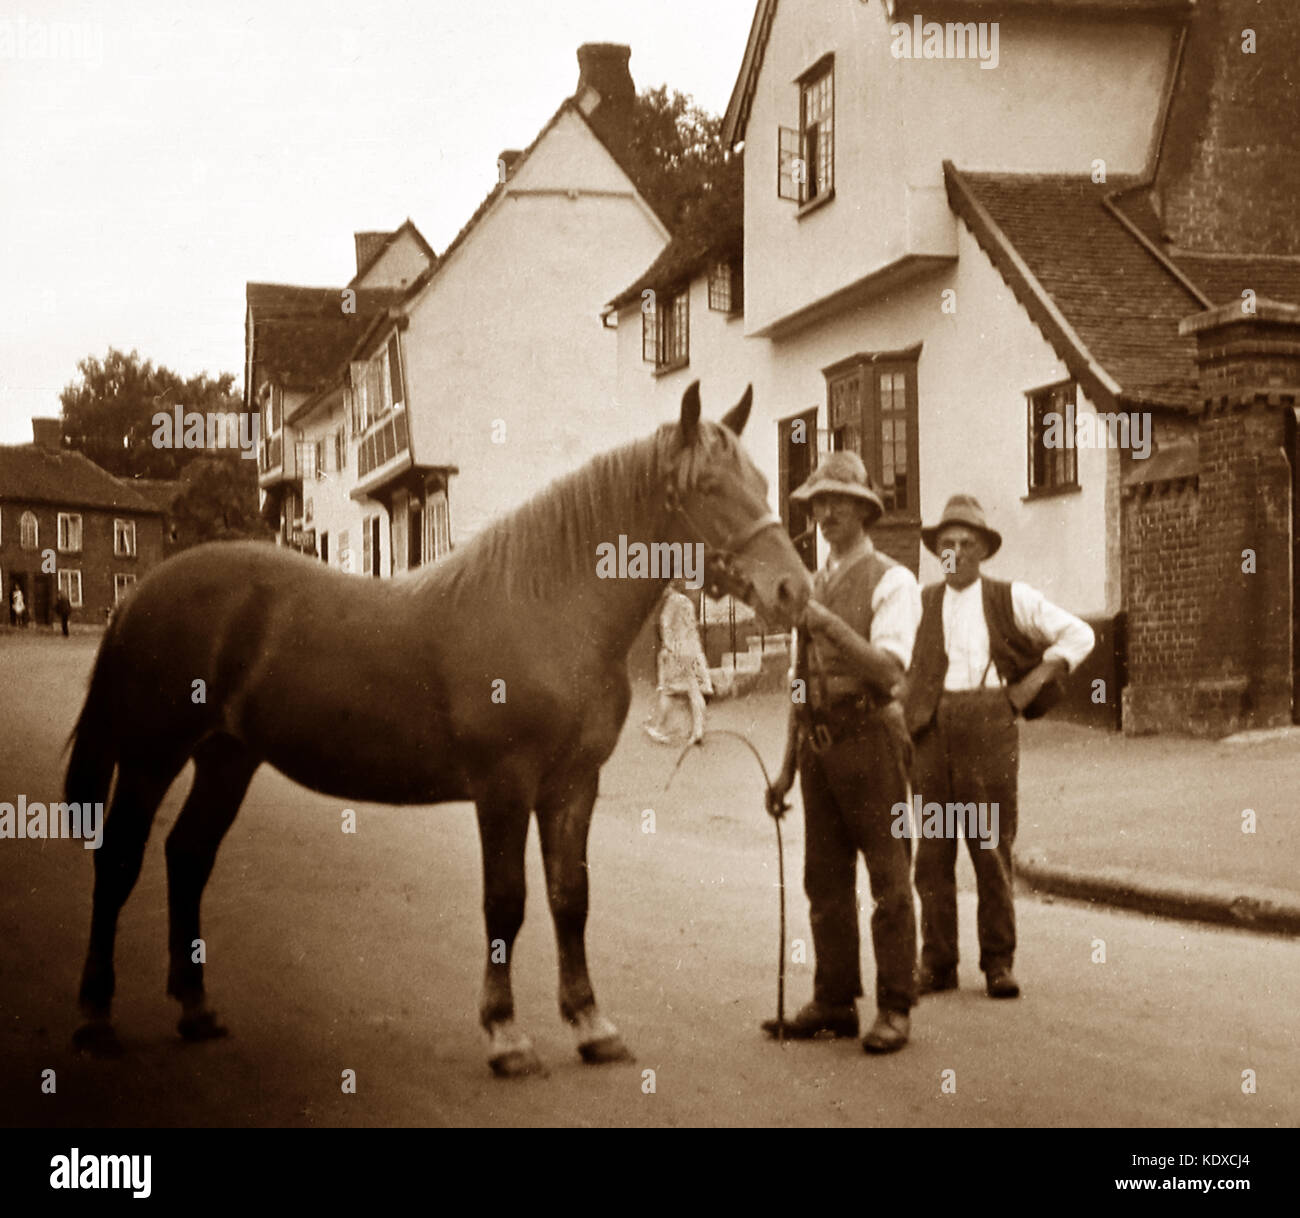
(140, 789)
(503, 832)
(563, 821)
(223, 770)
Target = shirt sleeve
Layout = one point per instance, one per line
(1066, 637)
(896, 614)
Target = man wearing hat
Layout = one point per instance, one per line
(986, 650)
(850, 746)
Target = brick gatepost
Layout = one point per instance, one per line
(1249, 364)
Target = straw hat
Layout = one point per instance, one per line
(842, 473)
(965, 510)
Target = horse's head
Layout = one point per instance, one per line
(717, 496)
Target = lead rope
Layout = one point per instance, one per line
(780, 862)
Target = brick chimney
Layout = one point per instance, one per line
(1229, 173)
(368, 245)
(605, 93)
(506, 160)
(48, 433)
(1250, 377)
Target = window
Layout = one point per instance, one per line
(306, 459)
(872, 410)
(439, 516)
(806, 158)
(665, 332)
(274, 408)
(340, 449)
(124, 538)
(29, 533)
(70, 532)
(123, 586)
(396, 381)
(70, 586)
(727, 287)
(1052, 465)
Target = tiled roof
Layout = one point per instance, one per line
(30, 473)
(302, 336)
(1225, 278)
(1068, 258)
(713, 230)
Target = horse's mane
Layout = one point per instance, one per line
(542, 547)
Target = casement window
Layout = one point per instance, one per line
(378, 386)
(339, 442)
(872, 411)
(70, 586)
(123, 586)
(665, 331)
(806, 157)
(70, 532)
(439, 515)
(29, 532)
(306, 459)
(124, 538)
(1053, 457)
(727, 286)
(796, 459)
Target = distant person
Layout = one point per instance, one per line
(683, 670)
(63, 607)
(18, 608)
(986, 652)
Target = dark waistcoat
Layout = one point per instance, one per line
(848, 595)
(1012, 651)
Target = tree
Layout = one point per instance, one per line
(109, 415)
(218, 502)
(676, 153)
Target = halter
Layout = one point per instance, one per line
(721, 572)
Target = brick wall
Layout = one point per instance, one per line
(1230, 168)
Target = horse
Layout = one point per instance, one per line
(497, 675)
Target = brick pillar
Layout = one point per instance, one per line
(1250, 379)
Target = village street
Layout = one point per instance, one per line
(330, 952)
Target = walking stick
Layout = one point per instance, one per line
(780, 861)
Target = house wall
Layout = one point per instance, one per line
(1063, 95)
(400, 264)
(96, 560)
(510, 373)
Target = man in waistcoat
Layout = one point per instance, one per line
(986, 651)
(849, 743)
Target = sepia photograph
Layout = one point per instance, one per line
(711, 564)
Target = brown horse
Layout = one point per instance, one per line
(498, 675)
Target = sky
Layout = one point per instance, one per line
(155, 157)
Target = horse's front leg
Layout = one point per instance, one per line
(563, 821)
(503, 832)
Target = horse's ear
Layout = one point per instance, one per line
(690, 423)
(738, 415)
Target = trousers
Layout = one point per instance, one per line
(848, 794)
(969, 754)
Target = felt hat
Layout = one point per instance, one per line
(965, 510)
(842, 473)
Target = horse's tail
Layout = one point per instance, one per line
(94, 738)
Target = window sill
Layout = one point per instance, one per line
(1051, 492)
(806, 209)
(669, 369)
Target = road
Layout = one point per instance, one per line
(330, 952)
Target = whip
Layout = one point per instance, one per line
(780, 860)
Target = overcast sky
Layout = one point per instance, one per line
(155, 156)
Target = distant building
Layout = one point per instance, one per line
(66, 523)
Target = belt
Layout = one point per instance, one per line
(836, 719)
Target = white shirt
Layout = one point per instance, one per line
(966, 633)
(895, 608)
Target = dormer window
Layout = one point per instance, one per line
(806, 157)
(727, 286)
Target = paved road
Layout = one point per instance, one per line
(330, 952)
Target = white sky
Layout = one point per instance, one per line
(155, 156)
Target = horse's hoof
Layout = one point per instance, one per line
(517, 1063)
(97, 1039)
(202, 1026)
(607, 1049)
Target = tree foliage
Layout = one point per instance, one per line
(108, 415)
